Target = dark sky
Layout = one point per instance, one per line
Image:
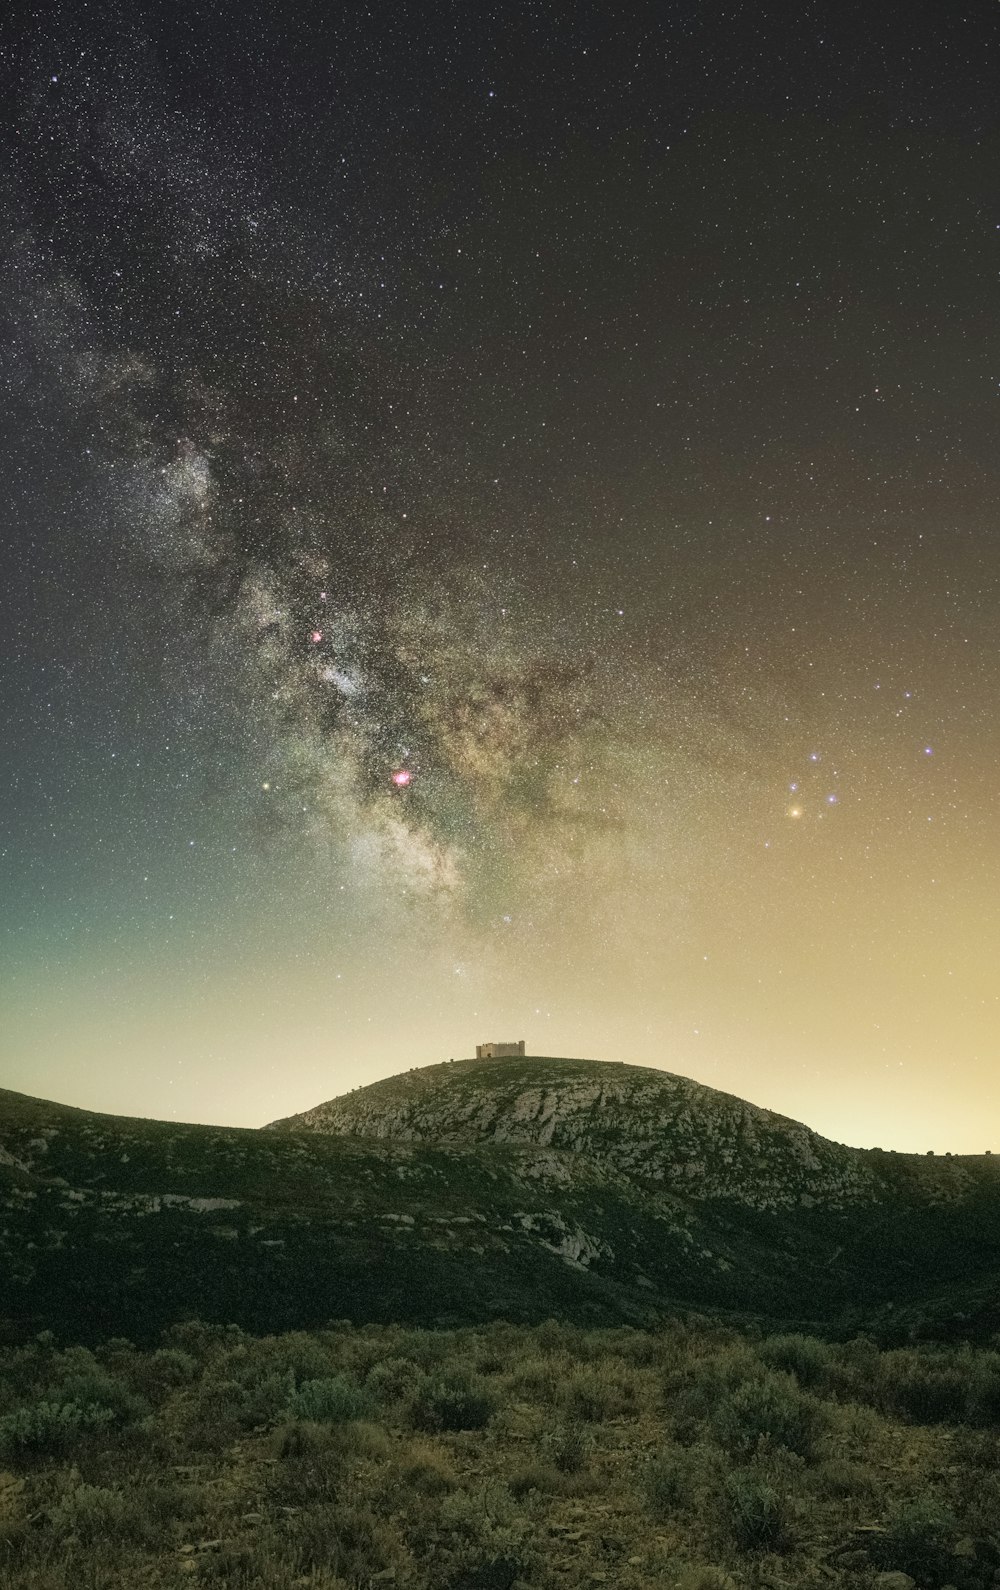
(500, 541)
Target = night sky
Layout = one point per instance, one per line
(500, 540)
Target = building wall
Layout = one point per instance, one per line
(497, 1051)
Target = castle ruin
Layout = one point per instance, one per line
(498, 1051)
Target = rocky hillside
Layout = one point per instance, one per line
(655, 1129)
(510, 1189)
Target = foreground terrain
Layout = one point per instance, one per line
(499, 1458)
(513, 1189)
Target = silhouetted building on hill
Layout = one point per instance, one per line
(497, 1051)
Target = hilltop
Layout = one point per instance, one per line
(648, 1126)
(515, 1188)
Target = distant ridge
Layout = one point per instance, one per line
(520, 1189)
(651, 1126)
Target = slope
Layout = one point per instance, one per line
(116, 1226)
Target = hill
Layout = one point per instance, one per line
(651, 1127)
(518, 1189)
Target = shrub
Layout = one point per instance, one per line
(201, 1340)
(261, 1401)
(706, 1579)
(541, 1378)
(50, 1428)
(300, 1356)
(534, 1476)
(451, 1401)
(95, 1388)
(753, 1512)
(981, 1504)
(552, 1336)
(568, 1446)
(802, 1356)
(919, 1540)
(667, 1481)
(860, 1424)
(774, 1408)
(334, 1400)
(854, 1369)
(695, 1391)
(488, 1540)
(347, 1541)
(639, 1348)
(601, 1391)
(423, 1468)
(314, 1460)
(94, 1513)
(212, 1419)
(172, 1366)
(393, 1379)
(929, 1389)
(983, 1399)
(839, 1477)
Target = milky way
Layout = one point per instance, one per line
(245, 428)
(500, 543)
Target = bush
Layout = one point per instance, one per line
(753, 1512)
(928, 1389)
(333, 1400)
(983, 1400)
(95, 1388)
(854, 1369)
(774, 1408)
(488, 1540)
(694, 1392)
(50, 1428)
(919, 1541)
(541, 1378)
(706, 1579)
(452, 1401)
(393, 1379)
(568, 1446)
(981, 1503)
(347, 1541)
(94, 1513)
(423, 1468)
(200, 1340)
(211, 1420)
(298, 1355)
(602, 1391)
(260, 1401)
(802, 1356)
(170, 1367)
(838, 1477)
(666, 1482)
(534, 1476)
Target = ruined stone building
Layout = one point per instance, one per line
(497, 1051)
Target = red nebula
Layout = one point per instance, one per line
(402, 777)
(316, 636)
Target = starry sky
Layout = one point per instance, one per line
(500, 540)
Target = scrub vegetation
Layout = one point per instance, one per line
(692, 1455)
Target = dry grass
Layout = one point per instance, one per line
(494, 1459)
